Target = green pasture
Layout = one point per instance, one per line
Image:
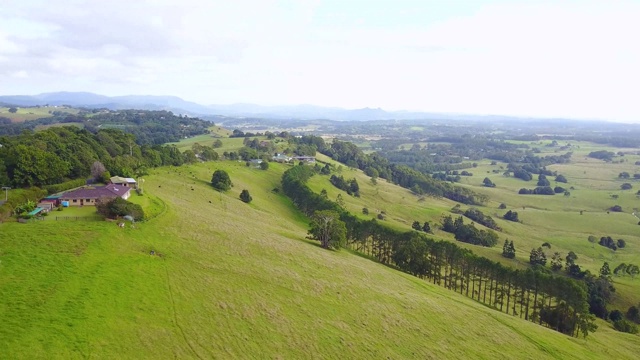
(233, 280)
(33, 113)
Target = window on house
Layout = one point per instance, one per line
(88, 200)
(74, 200)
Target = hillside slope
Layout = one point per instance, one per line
(237, 280)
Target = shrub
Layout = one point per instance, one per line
(625, 326)
(113, 208)
(616, 315)
(245, 196)
(616, 208)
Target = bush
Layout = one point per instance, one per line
(559, 190)
(561, 178)
(616, 315)
(117, 207)
(625, 326)
(616, 208)
(245, 196)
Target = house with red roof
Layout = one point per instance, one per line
(90, 194)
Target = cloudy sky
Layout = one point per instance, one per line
(576, 59)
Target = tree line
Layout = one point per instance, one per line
(557, 302)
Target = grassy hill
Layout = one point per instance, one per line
(554, 219)
(235, 280)
(33, 113)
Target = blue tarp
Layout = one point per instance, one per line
(36, 211)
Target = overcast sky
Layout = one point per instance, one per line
(576, 59)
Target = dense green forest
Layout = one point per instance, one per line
(60, 154)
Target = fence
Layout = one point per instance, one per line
(79, 218)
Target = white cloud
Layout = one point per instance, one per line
(576, 59)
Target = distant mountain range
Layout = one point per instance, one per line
(180, 106)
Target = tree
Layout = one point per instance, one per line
(542, 180)
(616, 208)
(571, 259)
(208, 154)
(626, 186)
(488, 183)
(561, 178)
(537, 257)
(616, 315)
(556, 261)
(416, 225)
(624, 175)
(605, 271)
(217, 143)
(426, 227)
(559, 190)
(633, 314)
(327, 228)
(97, 169)
(592, 239)
(13, 110)
(621, 243)
(511, 216)
(221, 181)
(245, 196)
(116, 207)
(365, 211)
(508, 249)
(264, 165)
(189, 157)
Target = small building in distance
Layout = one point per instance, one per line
(309, 159)
(89, 195)
(281, 158)
(122, 181)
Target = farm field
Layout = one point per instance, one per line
(33, 113)
(233, 280)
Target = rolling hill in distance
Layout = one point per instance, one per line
(209, 276)
(178, 105)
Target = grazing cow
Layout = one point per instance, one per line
(121, 225)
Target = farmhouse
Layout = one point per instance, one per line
(89, 195)
(122, 181)
(280, 158)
